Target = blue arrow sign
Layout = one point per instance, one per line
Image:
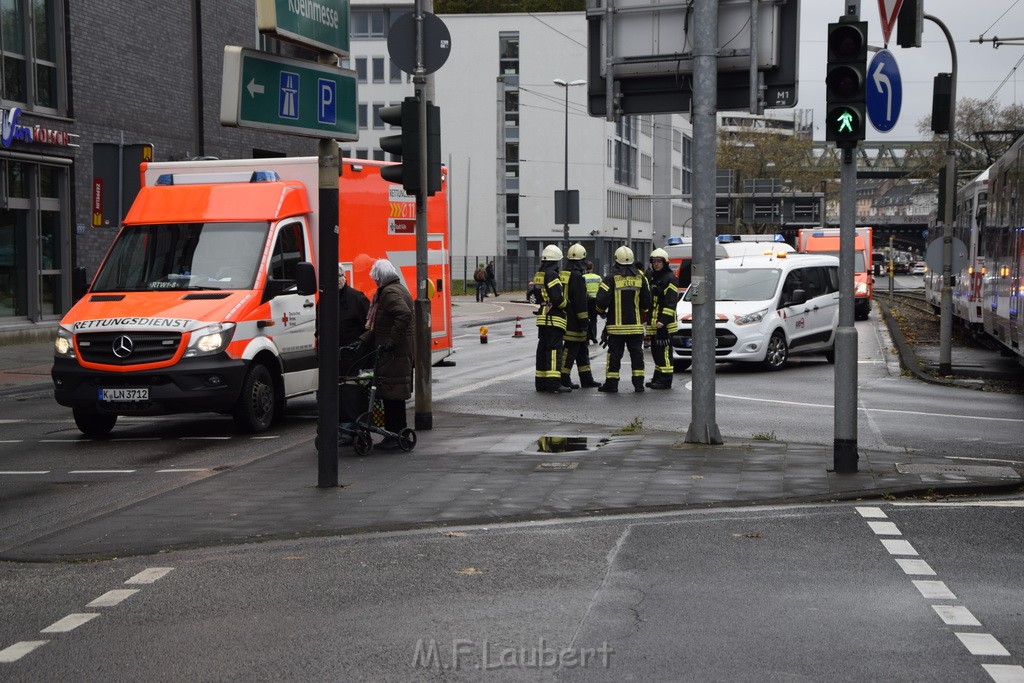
(884, 91)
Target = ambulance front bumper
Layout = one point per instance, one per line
(193, 385)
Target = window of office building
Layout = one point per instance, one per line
(646, 166)
(362, 115)
(367, 23)
(32, 54)
(378, 69)
(34, 240)
(378, 122)
(626, 152)
(396, 73)
(361, 69)
(508, 70)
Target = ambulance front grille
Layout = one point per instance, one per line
(128, 348)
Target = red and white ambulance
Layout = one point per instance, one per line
(202, 302)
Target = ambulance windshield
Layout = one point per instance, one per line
(184, 256)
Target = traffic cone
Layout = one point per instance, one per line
(483, 335)
(519, 328)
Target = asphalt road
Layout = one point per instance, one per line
(806, 593)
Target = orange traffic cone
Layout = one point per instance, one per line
(483, 335)
(519, 327)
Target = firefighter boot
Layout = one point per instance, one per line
(662, 381)
(567, 381)
(587, 380)
(638, 385)
(610, 386)
(654, 380)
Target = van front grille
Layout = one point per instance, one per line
(127, 348)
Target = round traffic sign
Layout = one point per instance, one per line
(883, 91)
(437, 43)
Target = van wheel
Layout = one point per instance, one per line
(95, 425)
(778, 352)
(255, 409)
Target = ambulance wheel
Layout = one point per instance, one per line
(777, 353)
(407, 439)
(95, 425)
(362, 444)
(255, 409)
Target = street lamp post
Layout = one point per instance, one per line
(565, 227)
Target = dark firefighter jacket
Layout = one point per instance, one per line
(552, 295)
(664, 296)
(624, 297)
(577, 323)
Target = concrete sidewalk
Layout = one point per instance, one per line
(473, 469)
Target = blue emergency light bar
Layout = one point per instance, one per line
(209, 178)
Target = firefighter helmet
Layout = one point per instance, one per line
(577, 252)
(659, 253)
(551, 253)
(624, 256)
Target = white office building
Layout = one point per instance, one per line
(509, 87)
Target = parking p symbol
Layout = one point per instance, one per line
(328, 109)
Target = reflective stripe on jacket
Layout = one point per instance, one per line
(664, 297)
(552, 295)
(624, 296)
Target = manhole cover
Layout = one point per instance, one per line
(555, 466)
(994, 471)
(562, 444)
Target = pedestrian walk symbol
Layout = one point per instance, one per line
(845, 121)
(288, 97)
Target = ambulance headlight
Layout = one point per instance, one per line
(62, 345)
(750, 318)
(210, 339)
(861, 289)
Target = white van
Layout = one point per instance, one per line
(734, 249)
(766, 308)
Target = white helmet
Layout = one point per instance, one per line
(624, 256)
(577, 252)
(551, 253)
(659, 253)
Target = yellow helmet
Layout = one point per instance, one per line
(659, 253)
(551, 253)
(624, 256)
(577, 252)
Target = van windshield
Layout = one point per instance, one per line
(744, 284)
(183, 256)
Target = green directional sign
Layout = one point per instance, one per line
(270, 92)
(315, 23)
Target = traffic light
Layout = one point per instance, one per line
(845, 82)
(406, 144)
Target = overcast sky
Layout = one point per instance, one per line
(980, 68)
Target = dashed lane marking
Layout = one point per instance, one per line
(27, 472)
(19, 650)
(184, 469)
(1005, 673)
(897, 546)
(69, 623)
(965, 503)
(983, 644)
(150, 575)
(934, 590)
(955, 615)
(114, 597)
(915, 567)
(884, 528)
(101, 471)
(872, 513)
(203, 438)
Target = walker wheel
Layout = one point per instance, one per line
(407, 439)
(363, 444)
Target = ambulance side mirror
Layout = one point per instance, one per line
(305, 278)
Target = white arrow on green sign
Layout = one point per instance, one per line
(316, 23)
(270, 92)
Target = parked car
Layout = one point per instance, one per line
(768, 307)
(918, 268)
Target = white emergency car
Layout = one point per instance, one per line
(767, 308)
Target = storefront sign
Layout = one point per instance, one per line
(12, 131)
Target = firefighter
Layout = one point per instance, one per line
(593, 281)
(577, 321)
(662, 321)
(550, 322)
(624, 297)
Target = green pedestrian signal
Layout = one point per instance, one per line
(845, 125)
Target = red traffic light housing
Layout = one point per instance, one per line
(407, 146)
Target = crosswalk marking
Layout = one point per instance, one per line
(984, 644)
(1005, 673)
(19, 650)
(69, 623)
(114, 597)
(897, 546)
(934, 590)
(955, 615)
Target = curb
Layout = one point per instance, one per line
(908, 357)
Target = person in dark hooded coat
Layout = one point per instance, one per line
(389, 326)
